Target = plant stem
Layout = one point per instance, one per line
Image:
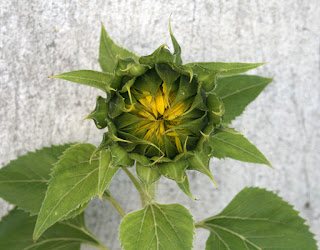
(107, 196)
(200, 224)
(138, 185)
(98, 244)
(152, 191)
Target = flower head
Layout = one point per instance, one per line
(169, 117)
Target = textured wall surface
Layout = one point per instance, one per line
(41, 38)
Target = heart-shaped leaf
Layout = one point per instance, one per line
(258, 219)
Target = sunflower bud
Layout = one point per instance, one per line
(162, 114)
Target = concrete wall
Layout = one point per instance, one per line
(41, 38)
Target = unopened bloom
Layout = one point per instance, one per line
(165, 116)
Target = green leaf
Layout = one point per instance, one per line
(199, 161)
(237, 92)
(16, 233)
(76, 212)
(207, 77)
(109, 51)
(216, 109)
(100, 113)
(167, 74)
(120, 156)
(185, 89)
(174, 170)
(116, 106)
(236, 146)
(106, 171)
(177, 49)
(182, 69)
(140, 158)
(150, 82)
(127, 86)
(227, 69)
(147, 174)
(160, 55)
(90, 78)
(73, 183)
(158, 227)
(258, 219)
(23, 182)
(129, 67)
(184, 186)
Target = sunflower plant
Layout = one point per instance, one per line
(165, 118)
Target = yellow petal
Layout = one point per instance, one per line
(164, 87)
(154, 109)
(166, 95)
(149, 99)
(173, 134)
(146, 114)
(144, 125)
(159, 132)
(148, 103)
(144, 102)
(161, 129)
(176, 111)
(178, 144)
(149, 134)
(160, 104)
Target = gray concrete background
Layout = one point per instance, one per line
(41, 38)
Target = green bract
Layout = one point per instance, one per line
(169, 117)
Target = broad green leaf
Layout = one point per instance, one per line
(108, 52)
(199, 161)
(76, 212)
(90, 78)
(106, 171)
(73, 183)
(177, 49)
(100, 113)
(147, 174)
(236, 146)
(258, 219)
(158, 227)
(237, 92)
(227, 69)
(23, 182)
(16, 233)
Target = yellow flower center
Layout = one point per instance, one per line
(160, 115)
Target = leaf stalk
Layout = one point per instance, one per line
(107, 196)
